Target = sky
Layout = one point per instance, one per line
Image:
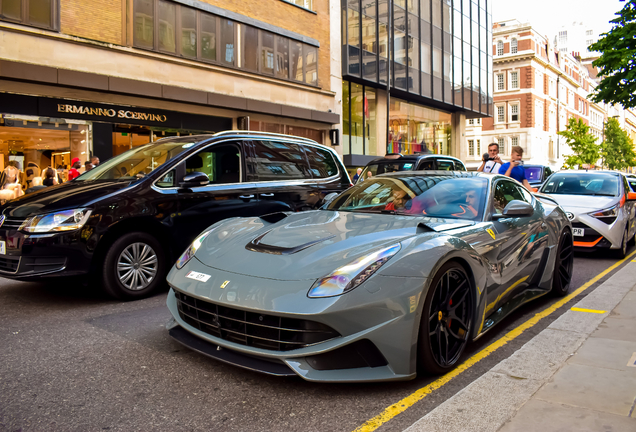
(546, 16)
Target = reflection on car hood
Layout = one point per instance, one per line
(65, 196)
(581, 203)
(308, 245)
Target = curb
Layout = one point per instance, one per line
(494, 398)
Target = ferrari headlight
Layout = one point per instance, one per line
(353, 274)
(66, 220)
(610, 212)
(191, 250)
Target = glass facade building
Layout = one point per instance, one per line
(434, 55)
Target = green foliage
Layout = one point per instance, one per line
(617, 150)
(577, 135)
(617, 62)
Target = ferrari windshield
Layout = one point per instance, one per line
(139, 161)
(586, 183)
(434, 195)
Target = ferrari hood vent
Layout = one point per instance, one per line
(257, 245)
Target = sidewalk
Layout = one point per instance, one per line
(573, 376)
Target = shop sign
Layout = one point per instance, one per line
(109, 112)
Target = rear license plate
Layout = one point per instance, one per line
(3, 247)
(578, 232)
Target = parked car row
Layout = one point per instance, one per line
(371, 282)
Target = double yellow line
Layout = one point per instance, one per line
(407, 402)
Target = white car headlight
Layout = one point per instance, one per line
(191, 250)
(353, 274)
(66, 220)
(609, 212)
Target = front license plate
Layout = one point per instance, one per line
(202, 277)
(578, 232)
(3, 247)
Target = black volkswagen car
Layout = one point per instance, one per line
(126, 221)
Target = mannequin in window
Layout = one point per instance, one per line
(13, 179)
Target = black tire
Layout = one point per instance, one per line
(134, 266)
(446, 320)
(622, 252)
(563, 265)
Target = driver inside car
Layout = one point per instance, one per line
(468, 210)
(400, 199)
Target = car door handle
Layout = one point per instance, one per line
(246, 196)
(267, 195)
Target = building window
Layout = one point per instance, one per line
(36, 13)
(170, 28)
(514, 80)
(500, 82)
(502, 146)
(589, 42)
(471, 148)
(478, 148)
(307, 4)
(513, 46)
(514, 112)
(514, 141)
(499, 48)
(588, 33)
(501, 115)
(471, 121)
(478, 121)
(538, 115)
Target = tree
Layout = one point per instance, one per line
(617, 63)
(577, 135)
(617, 149)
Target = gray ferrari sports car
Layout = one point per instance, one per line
(393, 276)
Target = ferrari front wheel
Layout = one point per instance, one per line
(563, 265)
(446, 320)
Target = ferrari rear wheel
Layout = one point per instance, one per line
(563, 265)
(446, 319)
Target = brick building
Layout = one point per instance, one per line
(86, 77)
(537, 89)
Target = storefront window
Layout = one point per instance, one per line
(208, 37)
(249, 45)
(357, 96)
(359, 119)
(346, 135)
(415, 128)
(36, 145)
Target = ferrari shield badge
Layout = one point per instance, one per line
(224, 284)
(491, 232)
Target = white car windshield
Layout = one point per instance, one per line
(595, 184)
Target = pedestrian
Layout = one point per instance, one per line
(357, 176)
(88, 166)
(514, 168)
(95, 161)
(491, 162)
(369, 174)
(50, 177)
(74, 171)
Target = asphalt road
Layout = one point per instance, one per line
(72, 360)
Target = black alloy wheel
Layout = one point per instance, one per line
(134, 266)
(446, 319)
(563, 265)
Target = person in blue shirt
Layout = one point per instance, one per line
(514, 168)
